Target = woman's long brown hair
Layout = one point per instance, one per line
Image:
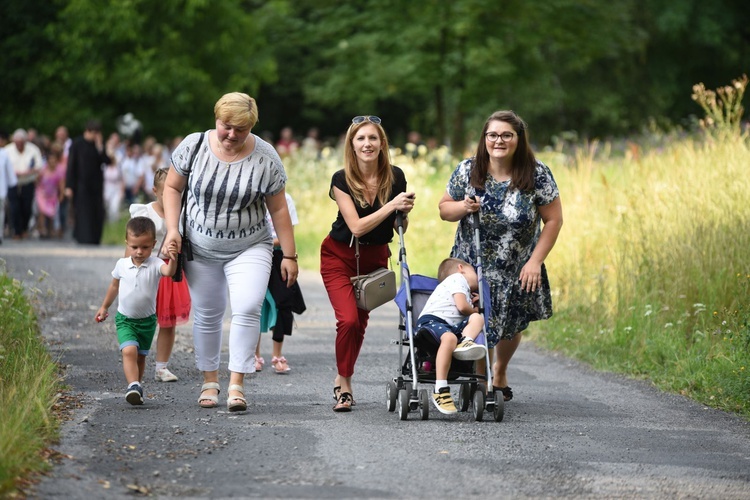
(524, 162)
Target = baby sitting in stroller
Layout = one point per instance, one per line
(451, 316)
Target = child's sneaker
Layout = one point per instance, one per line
(443, 401)
(134, 395)
(468, 350)
(164, 375)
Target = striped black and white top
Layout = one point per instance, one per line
(226, 201)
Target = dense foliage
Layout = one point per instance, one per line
(598, 68)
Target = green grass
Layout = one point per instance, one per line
(114, 232)
(29, 383)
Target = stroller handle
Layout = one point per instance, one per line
(399, 218)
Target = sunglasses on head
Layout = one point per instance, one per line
(372, 119)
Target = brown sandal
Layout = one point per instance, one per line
(344, 403)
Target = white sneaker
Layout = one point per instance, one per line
(468, 350)
(164, 375)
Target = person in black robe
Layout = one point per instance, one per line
(84, 184)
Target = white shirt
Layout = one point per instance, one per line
(132, 170)
(29, 162)
(138, 286)
(292, 215)
(441, 302)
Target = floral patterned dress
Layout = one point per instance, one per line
(510, 225)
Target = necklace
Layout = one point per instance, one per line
(223, 151)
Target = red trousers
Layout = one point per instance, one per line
(337, 265)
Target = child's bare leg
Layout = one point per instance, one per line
(141, 366)
(278, 360)
(164, 344)
(474, 327)
(441, 396)
(130, 363)
(41, 225)
(448, 343)
(277, 346)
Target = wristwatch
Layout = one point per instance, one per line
(291, 257)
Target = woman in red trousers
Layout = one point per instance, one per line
(368, 191)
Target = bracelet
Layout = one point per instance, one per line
(290, 257)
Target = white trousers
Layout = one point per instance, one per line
(246, 279)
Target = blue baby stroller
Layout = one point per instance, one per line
(417, 366)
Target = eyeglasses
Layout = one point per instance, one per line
(372, 119)
(504, 137)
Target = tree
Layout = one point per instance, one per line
(167, 62)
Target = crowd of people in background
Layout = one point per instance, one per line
(33, 176)
(33, 172)
(36, 190)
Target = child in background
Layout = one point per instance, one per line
(280, 303)
(450, 315)
(139, 276)
(173, 299)
(48, 195)
(114, 190)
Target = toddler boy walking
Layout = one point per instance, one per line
(452, 317)
(136, 280)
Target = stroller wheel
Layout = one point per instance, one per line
(424, 404)
(498, 407)
(403, 404)
(481, 387)
(391, 394)
(478, 408)
(464, 397)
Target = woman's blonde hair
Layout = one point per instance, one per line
(354, 179)
(237, 109)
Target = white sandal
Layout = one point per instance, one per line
(238, 403)
(213, 399)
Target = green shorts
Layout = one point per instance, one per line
(136, 331)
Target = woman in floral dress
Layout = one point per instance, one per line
(514, 194)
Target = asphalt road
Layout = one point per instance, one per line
(569, 431)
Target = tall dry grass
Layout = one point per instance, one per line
(651, 271)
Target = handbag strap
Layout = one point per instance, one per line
(356, 252)
(187, 184)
